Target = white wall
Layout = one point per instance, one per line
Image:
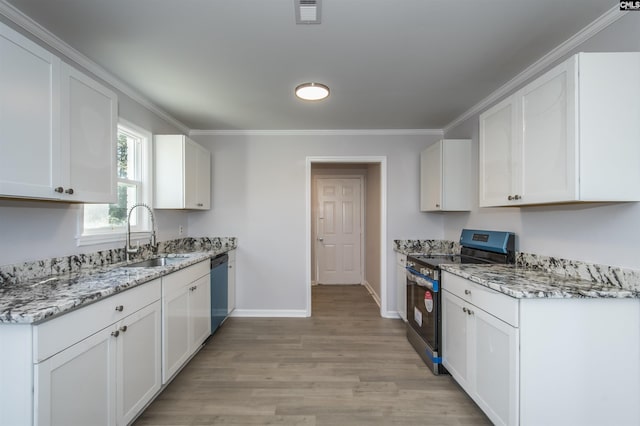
(259, 196)
(32, 230)
(596, 233)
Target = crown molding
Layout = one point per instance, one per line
(608, 18)
(17, 17)
(320, 132)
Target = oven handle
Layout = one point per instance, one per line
(422, 280)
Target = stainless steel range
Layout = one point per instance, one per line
(424, 321)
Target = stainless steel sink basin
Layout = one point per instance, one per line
(154, 262)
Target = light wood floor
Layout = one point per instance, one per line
(343, 366)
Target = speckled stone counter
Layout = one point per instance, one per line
(521, 282)
(36, 299)
(426, 247)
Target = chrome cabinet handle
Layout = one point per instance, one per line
(119, 308)
(467, 292)
(59, 190)
(123, 328)
(115, 333)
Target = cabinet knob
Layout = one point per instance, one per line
(200, 204)
(59, 190)
(467, 292)
(517, 197)
(464, 310)
(69, 191)
(438, 205)
(115, 333)
(119, 308)
(123, 328)
(510, 197)
(469, 312)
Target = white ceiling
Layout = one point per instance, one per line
(390, 64)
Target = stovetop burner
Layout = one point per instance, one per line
(435, 260)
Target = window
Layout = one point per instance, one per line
(101, 223)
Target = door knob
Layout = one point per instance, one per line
(320, 239)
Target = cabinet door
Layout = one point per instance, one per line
(431, 178)
(496, 349)
(204, 179)
(549, 145)
(456, 329)
(89, 126)
(77, 386)
(498, 155)
(190, 174)
(231, 280)
(199, 311)
(139, 361)
(401, 285)
(29, 118)
(175, 331)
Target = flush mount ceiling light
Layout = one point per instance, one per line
(312, 91)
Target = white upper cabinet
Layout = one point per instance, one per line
(89, 132)
(29, 118)
(57, 127)
(445, 176)
(182, 171)
(571, 135)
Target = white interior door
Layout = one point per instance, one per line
(339, 230)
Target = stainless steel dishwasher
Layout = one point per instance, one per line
(219, 290)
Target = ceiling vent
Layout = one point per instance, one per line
(307, 11)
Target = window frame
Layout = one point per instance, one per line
(143, 228)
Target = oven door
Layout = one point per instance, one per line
(423, 308)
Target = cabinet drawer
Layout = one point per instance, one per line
(175, 281)
(53, 336)
(499, 305)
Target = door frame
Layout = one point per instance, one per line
(382, 162)
(362, 201)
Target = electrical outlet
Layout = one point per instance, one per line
(180, 230)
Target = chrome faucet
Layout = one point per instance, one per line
(154, 245)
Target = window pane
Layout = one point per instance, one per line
(109, 216)
(128, 155)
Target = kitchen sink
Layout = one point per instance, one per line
(155, 262)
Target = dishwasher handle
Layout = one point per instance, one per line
(219, 260)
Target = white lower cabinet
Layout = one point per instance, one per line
(537, 361)
(108, 377)
(482, 357)
(186, 316)
(78, 386)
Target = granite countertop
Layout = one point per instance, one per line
(37, 300)
(524, 283)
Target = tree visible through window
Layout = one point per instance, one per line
(105, 218)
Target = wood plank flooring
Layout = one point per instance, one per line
(343, 366)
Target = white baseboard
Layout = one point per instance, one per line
(269, 313)
(391, 314)
(372, 293)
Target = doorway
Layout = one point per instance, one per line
(332, 185)
(337, 228)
